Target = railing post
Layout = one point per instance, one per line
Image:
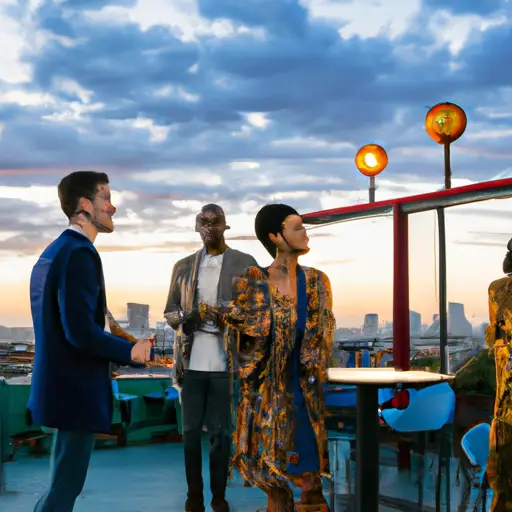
(401, 330)
(443, 314)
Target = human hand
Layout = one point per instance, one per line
(141, 351)
(190, 321)
(207, 313)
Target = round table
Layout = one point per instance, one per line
(368, 381)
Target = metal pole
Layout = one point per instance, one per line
(401, 329)
(447, 167)
(371, 190)
(443, 314)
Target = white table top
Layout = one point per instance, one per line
(383, 376)
(154, 375)
(19, 380)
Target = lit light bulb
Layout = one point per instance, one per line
(370, 160)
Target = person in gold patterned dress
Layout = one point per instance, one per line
(282, 316)
(498, 337)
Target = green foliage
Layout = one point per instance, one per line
(430, 363)
(478, 376)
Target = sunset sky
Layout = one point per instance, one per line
(186, 102)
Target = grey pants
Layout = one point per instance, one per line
(71, 454)
(206, 400)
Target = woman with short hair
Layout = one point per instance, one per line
(283, 318)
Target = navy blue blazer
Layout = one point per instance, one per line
(71, 380)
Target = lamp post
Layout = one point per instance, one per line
(445, 123)
(370, 161)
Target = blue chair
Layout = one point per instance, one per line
(122, 405)
(475, 445)
(121, 397)
(429, 408)
(171, 393)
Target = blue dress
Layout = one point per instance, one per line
(305, 440)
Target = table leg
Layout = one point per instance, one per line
(367, 450)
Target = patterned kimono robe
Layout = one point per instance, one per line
(265, 322)
(499, 337)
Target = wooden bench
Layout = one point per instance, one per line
(34, 439)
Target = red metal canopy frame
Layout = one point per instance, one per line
(400, 209)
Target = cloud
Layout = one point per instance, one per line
(240, 103)
(171, 247)
(484, 7)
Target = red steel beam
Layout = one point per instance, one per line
(401, 329)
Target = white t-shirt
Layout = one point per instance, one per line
(208, 353)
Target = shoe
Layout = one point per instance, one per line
(220, 505)
(194, 507)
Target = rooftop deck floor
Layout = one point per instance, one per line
(150, 478)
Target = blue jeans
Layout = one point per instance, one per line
(71, 454)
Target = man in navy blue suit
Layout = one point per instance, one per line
(71, 383)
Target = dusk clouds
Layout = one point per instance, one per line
(243, 102)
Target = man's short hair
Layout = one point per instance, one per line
(76, 185)
(212, 208)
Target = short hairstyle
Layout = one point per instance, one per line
(209, 208)
(269, 220)
(76, 185)
(212, 208)
(507, 262)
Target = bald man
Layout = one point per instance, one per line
(203, 363)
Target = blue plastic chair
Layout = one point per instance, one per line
(429, 409)
(124, 401)
(171, 393)
(475, 444)
(122, 397)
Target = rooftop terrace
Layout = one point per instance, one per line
(144, 478)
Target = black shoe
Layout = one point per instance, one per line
(220, 505)
(191, 506)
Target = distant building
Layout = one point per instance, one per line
(371, 324)
(479, 331)
(343, 333)
(458, 324)
(164, 335)
(415, 323)
(17, 334)
(138, 316)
